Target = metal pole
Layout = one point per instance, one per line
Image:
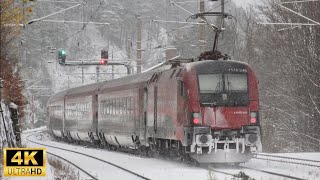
(97, 72)
(129, 50)
(201, 28)
(32, 109)
(112, 67)
(82, 72)
(139, 34)
(222, 17)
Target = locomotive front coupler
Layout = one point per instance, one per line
(204, 141)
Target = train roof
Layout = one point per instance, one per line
(205, 66)
(91, 88)
(131, 80)
(218, 66)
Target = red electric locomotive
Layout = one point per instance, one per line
(207, 110)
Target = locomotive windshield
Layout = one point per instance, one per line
(223, 89)
(210, 83)
(236, 82)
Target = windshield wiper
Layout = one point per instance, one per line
(229, 86)
(217, 89)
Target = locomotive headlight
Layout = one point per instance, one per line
(253, 117)
(196, 118)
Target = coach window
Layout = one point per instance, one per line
(124, 106)
(104, 107)
(108, 106)
(118, 105)
(120, 108)
(82, 108)
(113, 106)
(78, 109)
(128, 104)
(131, 105)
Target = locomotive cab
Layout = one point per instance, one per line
(223, 103)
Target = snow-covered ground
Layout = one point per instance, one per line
(166, 169)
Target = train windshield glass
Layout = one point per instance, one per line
(223, 89)
(236, 82)
(210, 83)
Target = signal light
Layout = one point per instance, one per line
(62, 56)
(196, 121)
(103, 61)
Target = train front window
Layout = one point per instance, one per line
(236, 82)
(223, 89)
(210, 83)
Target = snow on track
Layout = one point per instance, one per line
(147, 167)
(86, 155)
(298, 169)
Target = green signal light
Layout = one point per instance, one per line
(63, 52)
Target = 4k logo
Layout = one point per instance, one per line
(24, 161)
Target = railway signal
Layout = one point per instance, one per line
(104, 54)
(62, 56)
(103, 61)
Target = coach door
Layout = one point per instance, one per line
(155, 109)
(145, 109)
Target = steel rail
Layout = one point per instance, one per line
(221, 172)
(243, 167)
(284, 157)
(87, 173)
(93, 157)
(290, 162)
(273, 173)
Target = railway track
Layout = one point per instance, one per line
(234, 171)
(290, 160)
(87, 155)
(242, 168)
(73, 164)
